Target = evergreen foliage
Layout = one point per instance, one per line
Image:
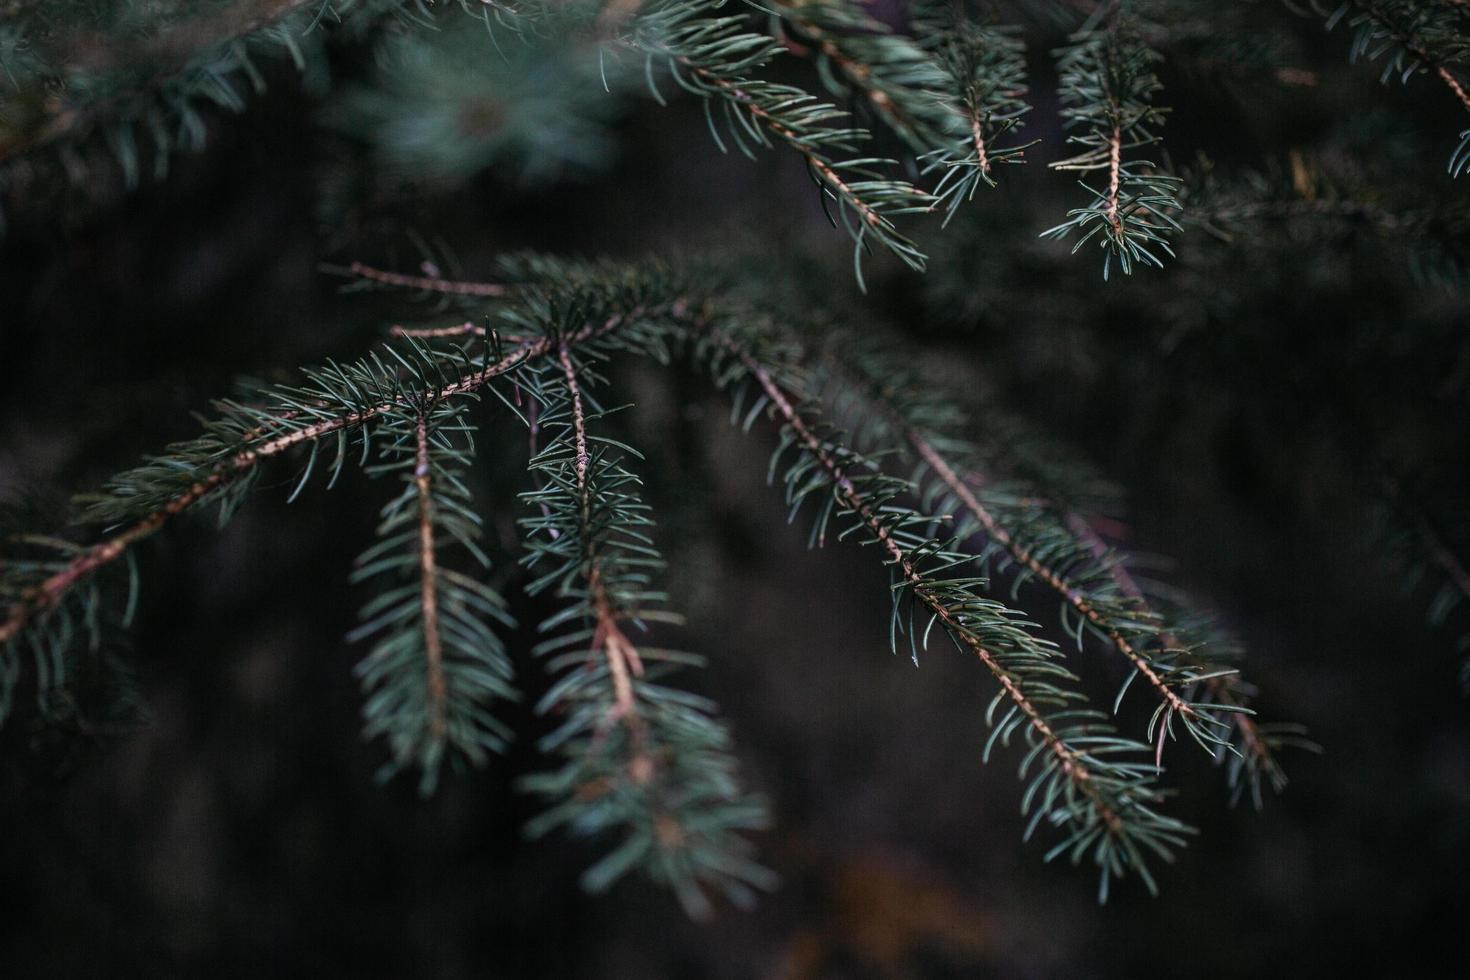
(1107, 89)
(993, 540)
(640, 756)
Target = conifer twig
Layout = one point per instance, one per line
(1222, 687)
(429, 582)
(432, 284)
(1107, 87)
(623, 662)
(1051, 577)
(1069, 761)
(1041, 537)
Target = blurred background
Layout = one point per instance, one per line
(1284, 409)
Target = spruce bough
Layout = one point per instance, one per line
(868, 450)
(640, 759)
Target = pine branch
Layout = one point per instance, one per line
(1035, 535)
(713, 58)
(436, 665)
(641, 760)
(902, 82)
(221, 465)
(1107, 86)
(1051, 542)
(1415, 37)
(984, 71)
(1106, 808)
(1256, 755)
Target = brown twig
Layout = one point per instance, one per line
(458, 330)
(1454, 84)
(429, 583)
(432, 284)
(623, 662)
(979, 138)
(1115, 174)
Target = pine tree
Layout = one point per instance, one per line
(999, 545)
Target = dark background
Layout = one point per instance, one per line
(1249, 399)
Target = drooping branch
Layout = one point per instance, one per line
(623, 662)
(984, 86)
(1069, 760)
(1034, 522)
(1030, 537)
(903, 82)
(426, 283)
(640, 761)
(1056, 581)
(437, 664)
(715, 58)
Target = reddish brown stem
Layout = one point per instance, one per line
(47, 594)
(623, 662)
(429, 584)
(431, 284)
(979, 138)
(1115, 176)
(1454, 85)
(458, 330)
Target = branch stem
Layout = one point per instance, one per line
(428, 584)
(623, 662)
(432, 284)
